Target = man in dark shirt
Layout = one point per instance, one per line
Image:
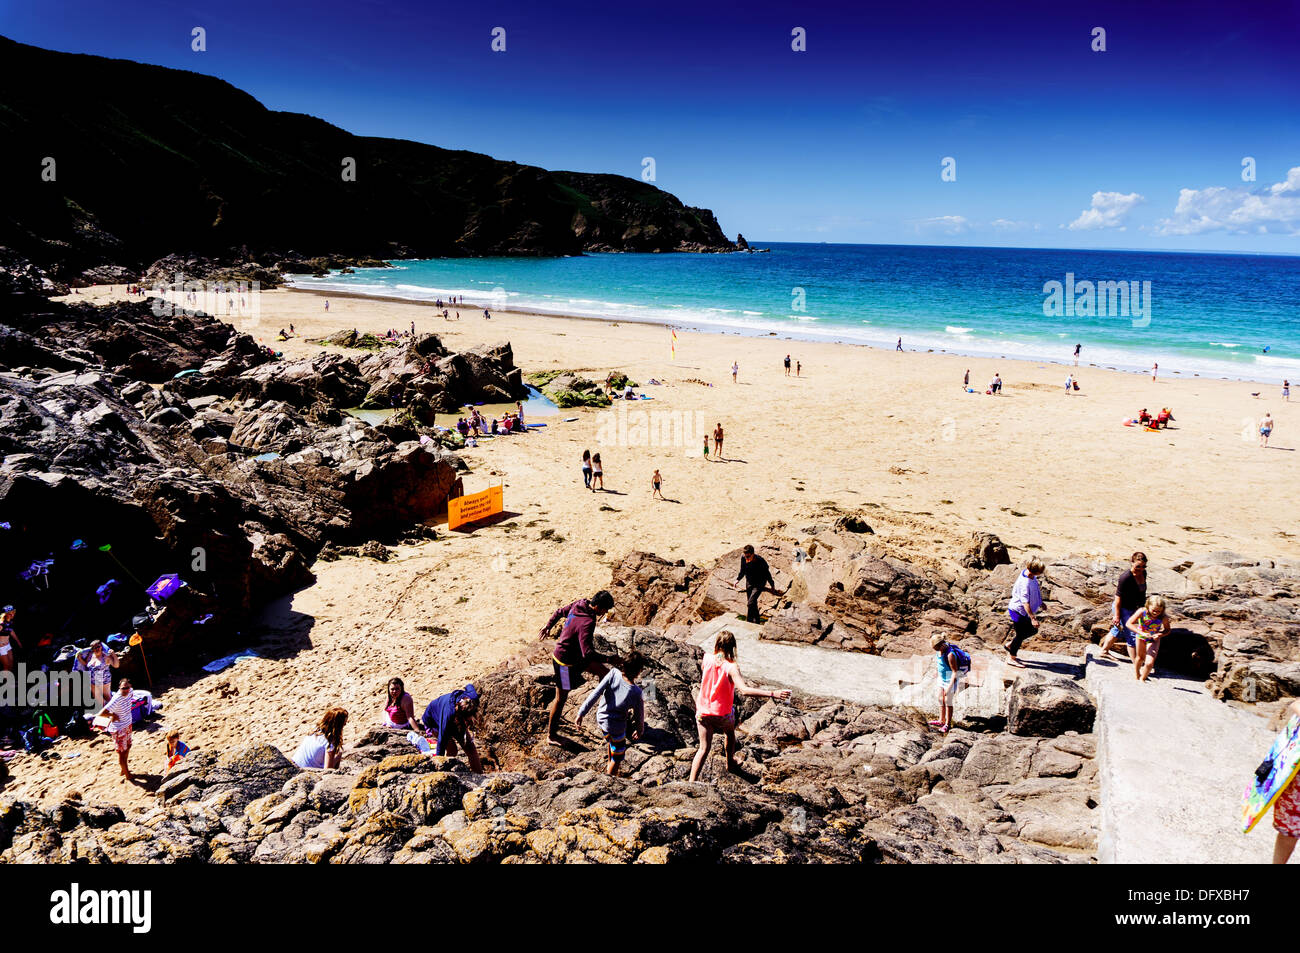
(1130, 595)
(758, 578)
(574, 652)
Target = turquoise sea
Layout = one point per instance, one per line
(1232, 316)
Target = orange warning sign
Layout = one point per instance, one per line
(474, 506)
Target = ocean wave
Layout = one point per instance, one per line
(1270, 360)
(955, 329)
(1222, 344)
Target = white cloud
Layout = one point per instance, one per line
(1275, 209)
(1108, 210)
(951, 224)
(1006, 223)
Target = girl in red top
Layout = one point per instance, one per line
(715, 706)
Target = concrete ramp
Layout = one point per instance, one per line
(1173, 761)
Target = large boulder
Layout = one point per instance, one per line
(1049, 705)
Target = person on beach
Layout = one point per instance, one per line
(323, 748)
(1265, 428)
(621, 707)
(597, 472)
(1286, 392)
(758, 579)
(327, 304)
(953, 666)
(1286, 811)
(120, 711)
(1026, 600)
(798, 368)
(99, 662)
(965, 381)
(899, 345)
(1130, 595)
(9, 638)
(586, 469)
(715, 705)
(1155, 368)
(399, 712)
(175, 751)
(486, 314)
(787, 365)
(656, 484)
(717, 440)
(735, 372)
(1069, 384)
(519, 413)
(1077, 349)
(451, 720)
(1149, 625)
(706, 448)
(574, 652)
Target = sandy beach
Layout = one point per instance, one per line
(890, 436)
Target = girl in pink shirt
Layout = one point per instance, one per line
(715, 706)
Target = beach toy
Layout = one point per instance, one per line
(569, 420)
(1129, 422)
(1273, 775)
(139, 643)
(534, 426)
(164, 586)
(177, 377)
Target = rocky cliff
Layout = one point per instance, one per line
(147, 161)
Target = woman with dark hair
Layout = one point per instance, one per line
(324, 747)
(98, 661)
(399, 713)
(451, 720)
(586, 469)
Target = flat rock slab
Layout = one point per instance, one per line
(1173, 762)
(870, 679)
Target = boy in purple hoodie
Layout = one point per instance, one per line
(573, 653)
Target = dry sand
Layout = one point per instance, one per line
(891, 436)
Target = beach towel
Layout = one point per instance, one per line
(440, 711)
(225, 662)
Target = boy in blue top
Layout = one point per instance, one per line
(620, 703)
(953, 665)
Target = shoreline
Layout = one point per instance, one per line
(701, 327)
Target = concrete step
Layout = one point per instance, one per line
(1172, 763)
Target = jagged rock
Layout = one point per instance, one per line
(1048, 705)
(986, 551)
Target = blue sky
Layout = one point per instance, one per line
(1140, 146)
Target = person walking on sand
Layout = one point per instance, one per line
(965, 381)
(717, 440)
(574, 652)
(899, 345)
(1286, 392)
(758, 579)
(953, 666)
(1155, 368)
(1265, 428)
(1069, 383)
(1130, 595)
(735, 372)
(621, 707)
(715, 705)
(586, 469)
(120, 711)
(597, 472)
(1026, 600)
(787, 365)
(1286, 810)
(656, 484)
(798, 368)
(1149, 625)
